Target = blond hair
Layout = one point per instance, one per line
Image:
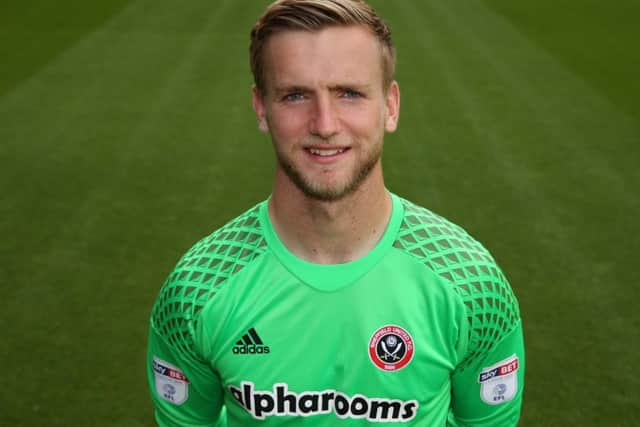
(315, 15)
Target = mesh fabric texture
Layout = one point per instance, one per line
(199, 274)
(463, 263)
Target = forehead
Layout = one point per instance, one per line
(331, 56)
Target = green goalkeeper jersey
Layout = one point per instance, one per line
(423, 330)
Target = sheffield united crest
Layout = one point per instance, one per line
(391, 348)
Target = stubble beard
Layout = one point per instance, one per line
(337, 191)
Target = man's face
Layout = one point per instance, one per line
(325, 107)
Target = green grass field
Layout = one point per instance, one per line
(126, 134)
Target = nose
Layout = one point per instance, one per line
(324, 122)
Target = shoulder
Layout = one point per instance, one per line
(467, 268)
(443, 246)
(202, 272)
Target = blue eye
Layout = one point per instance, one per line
(296, 96)
(351, 94)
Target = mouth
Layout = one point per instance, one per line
(326, 152)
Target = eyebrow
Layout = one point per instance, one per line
(357, 87)
(360, 87)
(288, 89)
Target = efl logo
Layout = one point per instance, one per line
(499, 383)
(391, 348)
(171, 384)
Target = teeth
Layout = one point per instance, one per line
(332, 152)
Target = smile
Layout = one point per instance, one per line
(326, 152)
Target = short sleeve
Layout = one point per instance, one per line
(185, 391)
(488, 390)
(487, 386)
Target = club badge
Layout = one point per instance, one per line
(391, 348)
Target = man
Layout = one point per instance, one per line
(334, 302)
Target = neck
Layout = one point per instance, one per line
(330, 232)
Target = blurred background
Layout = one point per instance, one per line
(126, 134)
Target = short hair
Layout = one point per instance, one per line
(315, 15)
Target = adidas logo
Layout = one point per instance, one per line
(250, 344)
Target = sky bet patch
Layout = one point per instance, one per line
(499, 383)
(171, 384)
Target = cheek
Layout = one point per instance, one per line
(287, 125)
(365, 122)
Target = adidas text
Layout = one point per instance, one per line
(250, 343)
(282, 402)
(250, 349)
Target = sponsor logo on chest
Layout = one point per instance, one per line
(390, 348)
(280, 401)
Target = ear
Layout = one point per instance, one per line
(392, 102)
(259, 108)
